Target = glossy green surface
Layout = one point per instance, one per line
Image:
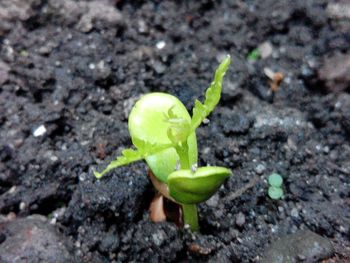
(191, 188)
(147, 122)
(275, 192)
(275, 180)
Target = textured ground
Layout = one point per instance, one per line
(70, 72)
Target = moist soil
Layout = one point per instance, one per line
(70, 72)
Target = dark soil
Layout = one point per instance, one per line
(77, 67)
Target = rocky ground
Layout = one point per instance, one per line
(70, 72)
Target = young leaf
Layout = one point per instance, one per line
(179, 128)
(129, 155)
(275, 180)
(187, 187)
(275, 192)
(212, 96)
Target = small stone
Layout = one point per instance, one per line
(159, 237)
(240, 219)
(265, 49)
(160, 45)
(338, 10)
(12, 189)
(294, 213)
(101, 71)
(306, 244)
(40, 131)
(4, 69)
(59, 213)
(335, 72)
(326, 149)
(159, 67)
(142, 27)
(47, 48)
(22, 206)
(213, 201)
(260, 169)
(54, 158)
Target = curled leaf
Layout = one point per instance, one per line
(187, 187)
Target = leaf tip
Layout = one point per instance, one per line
(98, 175)
(226, 62)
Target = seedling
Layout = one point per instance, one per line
(275, 190)
(164, 134)
(254, 55)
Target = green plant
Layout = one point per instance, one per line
(164, 134)
(275, 190)
(254, 55)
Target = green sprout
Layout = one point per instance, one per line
(164, 134)
(254, 55)
(275, 190)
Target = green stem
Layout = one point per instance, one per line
(190, 214)
(182, 151)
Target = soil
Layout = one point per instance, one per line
(71, 70)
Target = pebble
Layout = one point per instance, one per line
(265, 49)
(22, 206)
(240, 219)
(160, 45)
(260, 168)
(213, 201)
(159, 67)
(303, 244)
(335, 72)
(33, 239)
(142, 27)
(294, 213)
(159, 237)
(40, 131)
(338, 10)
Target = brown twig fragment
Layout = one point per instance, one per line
(242, 190)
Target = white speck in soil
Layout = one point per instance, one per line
(240, 219)
(260, 168)
(22, 206)
(142, 26)
(160, 45)
(92, 66)
(82, 177)
(265, 49)
(294, 213)
(12, 190)
(40, 131)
